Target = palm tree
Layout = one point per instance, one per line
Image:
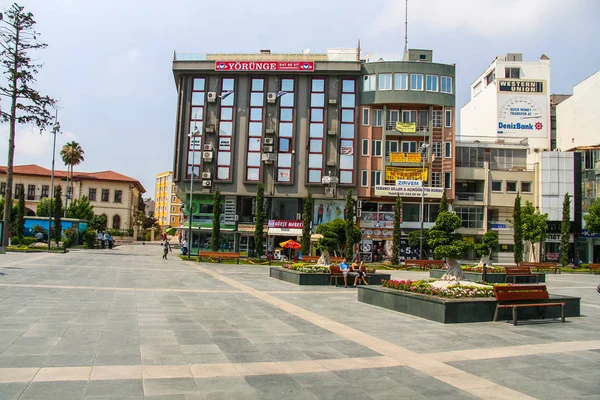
(72, 154)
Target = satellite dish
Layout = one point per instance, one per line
(305, 51)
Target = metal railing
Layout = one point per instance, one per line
(468, 196)
(424, 158)
(495, 166)
(391, 126)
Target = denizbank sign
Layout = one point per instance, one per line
(523, 109)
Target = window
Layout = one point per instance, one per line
(400, 81)
(226, 112)
(491, 77)
(391, 146)
(365, 147)
(437, 118)
(411, 212)
(472, 217)
(376, 148)
(447, 180)
(172, 219)
(385, 81)
(45, 190)
(173, 209)
(196, 123)
(377, 117)
(92, 195)
(30, 192)
(105, 194)
(2, 188)
(375, 178)
(286, 133)
(436, 149)
(365, 116)
(116, 222)
(447, 149)
(423, 119)
(525, 187)
(511, 186)
(409, 147)
(448, 119)
(436, 179)
(255, 130)
(513, 73)
(409, 116)
(347, 131)
(369, 83)
(18, 189)
(118, 196)
(364, 178)
(431, 83)
(416, 82)
(496, 186)
(446, 84)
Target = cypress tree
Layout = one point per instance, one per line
(349, 225)
(517, 230)
(443, 202)
(565, 231)
(308, 211)
(58, 212)
(216, 226)
(260, 216)
(397, 231)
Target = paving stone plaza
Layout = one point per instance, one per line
(125, 324)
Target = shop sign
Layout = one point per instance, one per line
(395, 173)
(500, 226)
(373, 219)
(405, 191)
(406, 127)
(521, 86)
(377, 233)
(346, 150)
(405, 157)
(587, 234)
(305, 66)
(328, 210)
(524, 111)
(249, 228)
(410, 183)
(552, 256)
(277, 223)
(407, 252)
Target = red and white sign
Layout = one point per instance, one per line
(276, 223)
(303, 66)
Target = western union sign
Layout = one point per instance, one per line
(414, 174)
(406, 127)
(405, 157)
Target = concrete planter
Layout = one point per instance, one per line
(305, 278)
(450, 311)
(491, 278)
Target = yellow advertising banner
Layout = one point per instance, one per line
(406, 127)
(415, 174)
(405, 157)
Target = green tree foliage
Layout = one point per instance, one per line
(58, 213)
(397, 231)
(351, 237)
(260, 219)
(443, 239)
(25, 104)
(89, 238)
(308, 212)
(334, 236)
(216, 226)
(43, 207)
(414, 238)
(20, 218)
(517, 225)
(443, 203)
(81, 209)
(489, 241)
(13, 214)
(72, 155)
(534, 226)
(592, 219)
(98, 223)
(70, 237)
(565, 231)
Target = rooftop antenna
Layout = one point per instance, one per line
(405, 29)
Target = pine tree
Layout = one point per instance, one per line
(308, 211)
(565, 231)
(216, 226)
(260, 216)
(517, 226)
(397, 231)
(58, 213)
(349, 225)
(20, 220)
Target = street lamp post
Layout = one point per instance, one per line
(424, 147)
(55, 130)
(192, 135)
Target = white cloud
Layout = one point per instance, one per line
(133, 55)
(487, 18)
(31, 147)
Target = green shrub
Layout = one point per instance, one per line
(89, 238)
(24, 241)
(70, 237)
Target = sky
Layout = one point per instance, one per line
(109, 62)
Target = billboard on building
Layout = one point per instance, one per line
(523, 109)
(328, 210)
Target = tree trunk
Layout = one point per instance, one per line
(454, 273)
(324, 259)
(485, 260)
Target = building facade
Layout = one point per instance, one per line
(167, 206)
(112, 194)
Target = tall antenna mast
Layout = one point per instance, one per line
(405, 29)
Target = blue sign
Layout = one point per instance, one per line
(586, 234)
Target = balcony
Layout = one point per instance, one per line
(411, 159)
(468, 196)
(390, 126)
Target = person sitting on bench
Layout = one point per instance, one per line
(345, 270)
(361, 273)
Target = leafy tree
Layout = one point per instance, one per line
(58, 213)
(89, 238)
(260, 219)
(43, 207)
(489, 241)
(443, 203)
(351, 237)
(72, 154)
(216, 226)
(592, 219)
(308, 212)
(81, 209)
(414, 238)
(565, 231)
(334, 234)
(98, 223)
(27, 105)
(397, 231)
(517, 225)
(443, 239)
(20, 218)
(13, 214)
(141, 206)
(534, 226)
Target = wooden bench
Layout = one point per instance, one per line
(514, 272)
(541, 265)
(336, 260)
(336, 273)
(424, 264)
(519, 296)
(212, 255)
(594, 267)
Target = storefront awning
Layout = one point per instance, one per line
(284, 232)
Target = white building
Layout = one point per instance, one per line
(578, 117)
(510, 99)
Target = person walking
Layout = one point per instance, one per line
(184, 247)
(166, 249)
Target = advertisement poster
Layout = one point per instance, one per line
(395, 173)
(523, 109)
(405, 157)
(328, 210)
(406, 127)
(408, 191)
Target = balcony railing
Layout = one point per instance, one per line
(391, 126)
(423, 158)
(467, 196)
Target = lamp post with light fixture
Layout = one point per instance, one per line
(55, 131)
(424, 148)
(192, 135)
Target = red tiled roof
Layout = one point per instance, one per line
(36, 170)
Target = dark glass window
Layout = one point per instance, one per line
(105, 194)
(92, 195)
(118, 196)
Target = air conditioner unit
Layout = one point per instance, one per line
(207, 183)
(333, 102)
(211, 97)
(269, 140)
(208, 147)
(210, 129)
(331, 163)
(270, 131)
(271, 97)
(268, 149)
(331, 132)
(207, 155)
(206, 175)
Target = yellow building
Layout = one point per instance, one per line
(167, 205)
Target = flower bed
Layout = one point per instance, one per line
(311, 269)
(490, 270)
(453, 292)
